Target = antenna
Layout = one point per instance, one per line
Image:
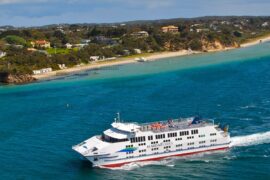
(118, 117)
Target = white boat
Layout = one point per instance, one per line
(124, 142)
(141, 59)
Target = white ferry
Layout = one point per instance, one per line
(124, 143)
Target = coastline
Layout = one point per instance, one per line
(150, 57)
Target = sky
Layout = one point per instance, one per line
(43, 12)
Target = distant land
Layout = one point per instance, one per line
(30, 53)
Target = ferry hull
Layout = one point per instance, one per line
(118, 164)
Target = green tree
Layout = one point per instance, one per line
(12, 39)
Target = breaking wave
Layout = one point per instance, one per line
(249, 140)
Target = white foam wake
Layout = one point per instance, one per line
(136, 165)
(249, 140)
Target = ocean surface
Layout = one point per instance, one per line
(41, 121)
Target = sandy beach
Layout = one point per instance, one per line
(256, 41)
(150, 57)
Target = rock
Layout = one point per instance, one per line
(16, 78)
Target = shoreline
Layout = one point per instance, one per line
(150, 57)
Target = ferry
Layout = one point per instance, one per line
(127, 142)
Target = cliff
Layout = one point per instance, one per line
(15, 78)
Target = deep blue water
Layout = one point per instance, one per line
(41, 121)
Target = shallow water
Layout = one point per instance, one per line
(41, 121)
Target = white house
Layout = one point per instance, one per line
(94, 58)
(137, 51)
(265, 24)
(68, 45)
(62, 66)
(85, 41)
(140, 34)
(2, 54)
(42, 71)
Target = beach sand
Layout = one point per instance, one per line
(128, 60)
(256, 41)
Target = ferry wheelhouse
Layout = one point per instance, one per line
(124, 143)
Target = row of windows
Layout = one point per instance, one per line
(144, 150)
(184, 133)
(142, 155)
(213, 140)
(172, 134)
(130, 152)
(195, 131)
(154, 149)
(154, 142)
(192, 143)
(201, 142)
(166, 140)
(142, 144)
(167, 147)
(160, 136)
(128, 146)
(137, 139)
(178, 145)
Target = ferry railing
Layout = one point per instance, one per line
(174, 124)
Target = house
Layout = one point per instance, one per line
(170, 29)
(2, 54)
(137, 51)
(265, 24)
(126, 52)
(140, 34)
(94, 58)
(31, 49)
(202, 30)
(85, 41)
(42, 71)
(80, 45)
(105, 40)
(41, 44)
(68, 45)
(62, 66)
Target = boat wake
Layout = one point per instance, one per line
(250, 140)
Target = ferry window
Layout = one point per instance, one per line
(111, 139)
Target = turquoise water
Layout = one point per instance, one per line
(38, 128)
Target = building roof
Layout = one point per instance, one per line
(41, 42)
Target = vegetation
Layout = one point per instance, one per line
(118, 40)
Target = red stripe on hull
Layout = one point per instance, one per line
(159, 158)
